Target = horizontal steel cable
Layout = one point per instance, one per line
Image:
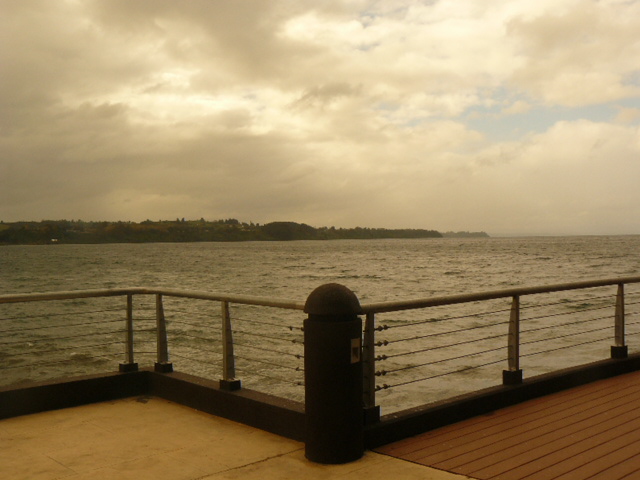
(48, 339)
(169, 310)
(565, 302)
(145, 330)
(385, 386)
(289, 367)
(66, 325)
(145, 319)
(268, 350)
(174, 321)
(196, 351)
(572, 334)
(62, 349)
(437, 320)
(577, 322)
(447, 332)
(196, 337)
(444, 346)
(186, 357)
(261, 335)
(565, 347)
(57, 362)
(259, 322)
(576, 312)
(279, 379)
(48, 315)
(409, 367)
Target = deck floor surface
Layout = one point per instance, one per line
(148, 438)
(588, 432)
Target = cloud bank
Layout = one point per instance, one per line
(512, 117)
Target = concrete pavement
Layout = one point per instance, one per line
(151, 438)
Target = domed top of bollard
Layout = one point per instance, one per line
(332, 299)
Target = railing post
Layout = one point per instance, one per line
(333, 376)
(371, 410)
(162, 364)
(513, 375)
(129, 365)
(619, 350)
(228, 380)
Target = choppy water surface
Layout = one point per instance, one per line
(377, 270)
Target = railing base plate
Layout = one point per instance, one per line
(371, 415)
(163, 367)
(230, 385)
(128, 367)
(511, 377)
(619, 351)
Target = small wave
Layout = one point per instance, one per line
(85, 358)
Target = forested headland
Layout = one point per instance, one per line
(181, 230)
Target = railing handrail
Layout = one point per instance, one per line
(392, 306)
(69, 295)
(112, 292)
(376, 307)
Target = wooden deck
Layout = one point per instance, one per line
(592, 431)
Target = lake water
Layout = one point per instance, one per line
(376, 270)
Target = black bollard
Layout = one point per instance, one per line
(333, 375)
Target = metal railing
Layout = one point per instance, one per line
(422, 350)
(211, 335)
(469, 336)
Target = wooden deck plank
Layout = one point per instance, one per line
(497, 460)
(492, 429)
(626, 456)
(517, 433)
(628, 469)
(579, 456)
(513, 433)
(589, 431)
(495, 419)
(468, 426)
(566, 452)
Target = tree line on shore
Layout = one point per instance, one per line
(181, 230)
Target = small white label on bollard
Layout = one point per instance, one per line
(355, 350)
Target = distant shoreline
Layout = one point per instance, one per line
(180, 230)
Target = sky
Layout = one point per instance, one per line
(513, 117)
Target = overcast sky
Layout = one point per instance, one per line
(508, 116)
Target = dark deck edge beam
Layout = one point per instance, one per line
(71, 392)
(266, 412)
(422, 419)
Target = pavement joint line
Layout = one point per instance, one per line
(208, 475)
(62, 464)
